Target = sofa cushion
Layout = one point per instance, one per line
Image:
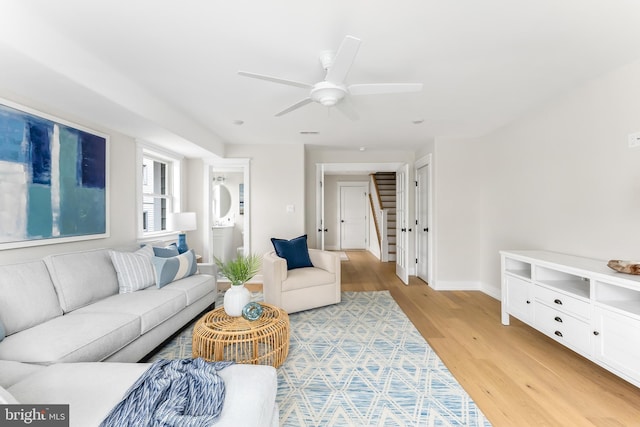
(295, 251)
(81, 278)
(153, 308)
(194, 287)
(90, 389)
(12, 372)
(306, 278)
(174, 268)
(134, 269)
(74, 337)
(261, 394)
(27, 296)
(7, 398)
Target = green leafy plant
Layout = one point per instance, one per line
(240, 270)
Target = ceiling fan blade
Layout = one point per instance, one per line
(275, 80)
(343, 60)
(295, 106)
(380, 88)
(346, 107)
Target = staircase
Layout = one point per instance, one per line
(385, 182)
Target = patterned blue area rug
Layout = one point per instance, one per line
(362, 363)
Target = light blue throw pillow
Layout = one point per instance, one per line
(166, 251)
(174, 268)
(134, 269)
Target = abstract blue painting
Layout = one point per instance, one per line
(53, 180)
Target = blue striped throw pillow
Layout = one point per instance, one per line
(174, 268)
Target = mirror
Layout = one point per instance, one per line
(221, 200)
(229, 205)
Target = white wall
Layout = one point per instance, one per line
(457, 174)
(561, 179)
(122, 193)
(277, 180)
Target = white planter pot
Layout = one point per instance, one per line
(235, 299)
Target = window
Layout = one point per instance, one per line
(159, 189)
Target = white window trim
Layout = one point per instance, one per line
(145, 149)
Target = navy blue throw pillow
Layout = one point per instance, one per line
(295, 251)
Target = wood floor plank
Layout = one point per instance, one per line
(516, 375)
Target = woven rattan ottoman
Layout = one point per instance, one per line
(265, 341)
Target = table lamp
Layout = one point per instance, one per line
(181, 222)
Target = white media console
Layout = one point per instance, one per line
(579, 302)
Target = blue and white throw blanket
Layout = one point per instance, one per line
(183, 392)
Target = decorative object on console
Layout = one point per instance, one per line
(629, 267)
(239, 271)
(182, 221)
(295, 251)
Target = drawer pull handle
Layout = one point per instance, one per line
(558, 319)
(596, 333)
(558, 333)
(557, 301)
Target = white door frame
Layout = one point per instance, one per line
(403, 227)
(323, 169)
(365, 186)
(227, 165)
(320, 225)
(426, 161)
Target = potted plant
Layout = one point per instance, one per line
(239, 271)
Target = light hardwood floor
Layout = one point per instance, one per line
(517, 376)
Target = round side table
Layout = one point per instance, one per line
(265, 341)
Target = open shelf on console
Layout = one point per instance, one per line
(567, 282)
(623, 299)
(518, 268)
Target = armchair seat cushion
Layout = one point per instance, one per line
(307, 277)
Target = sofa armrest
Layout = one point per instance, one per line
(328, 261)
(208, 268)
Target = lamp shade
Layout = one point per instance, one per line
(181, 221)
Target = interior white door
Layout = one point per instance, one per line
(422, 223)
(402, 224)
(353, 217)
(320, 206)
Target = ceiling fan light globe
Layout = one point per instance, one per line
(327, 94)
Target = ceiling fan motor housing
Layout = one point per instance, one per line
(327, 93)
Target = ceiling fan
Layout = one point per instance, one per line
(332, 91)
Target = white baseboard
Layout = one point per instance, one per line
(492, 291)
(447, 285)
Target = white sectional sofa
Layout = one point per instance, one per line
(64, 319)
(67, 308)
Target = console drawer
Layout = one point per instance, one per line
(562, 327)
(562, 302)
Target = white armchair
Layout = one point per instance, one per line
(302, 288)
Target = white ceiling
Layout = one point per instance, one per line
(166, 70)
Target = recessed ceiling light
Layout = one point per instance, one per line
(238, 122)
(417, 122)
(362, 148)
(309, 132)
